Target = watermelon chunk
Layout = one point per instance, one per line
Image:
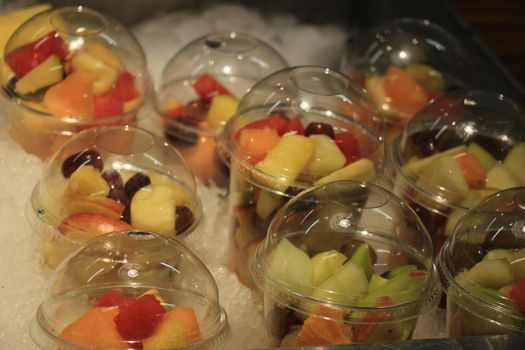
(107, 105)
(138, 320)
(349, 145)
(207, 87)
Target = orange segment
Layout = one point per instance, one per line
(406, 95)
(95, 329)
(325, 326)
(72, 97)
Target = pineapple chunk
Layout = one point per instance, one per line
(45, 74)
(153, 209)
(222, 107)
(104, 53)
(287, 160)
(375, 87)
(170, 334)
(515, 163)
(360, 170)
(104, 76)
(327, 157)
(87, 181)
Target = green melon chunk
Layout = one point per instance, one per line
(484, 157)
(515, 163)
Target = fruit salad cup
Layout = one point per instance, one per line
(482, 268)
(296, 128)
(69, 69)
(403, 65)
(201, 86)
(131, 290)
(460, 149)
(344, 262)
(109, 179)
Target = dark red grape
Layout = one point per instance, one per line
(196, 111)
(315, 128)
(135, 183)
(183, 219)
(119, 195)
(86, 157)
(113, 179)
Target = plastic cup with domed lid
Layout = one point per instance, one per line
(108, 179)
(296, 128)
(200, 89)
(482, 268)
(345, 262)
(68, 69)
(463, 147)
(127, 290)
(404, 64)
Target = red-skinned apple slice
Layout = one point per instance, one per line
(83, 227)
(94, 205)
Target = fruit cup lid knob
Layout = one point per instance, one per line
(76, 63)
(128, 289)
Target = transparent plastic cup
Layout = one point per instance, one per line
(344, 262)
(200, 89)
(297, 127)
(69, 69)
(482, 268)
(454, 153)
(108, 179)
(404, 64)
(129, 290)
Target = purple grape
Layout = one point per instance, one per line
(135, 183)
(119, 195)
(183, 219)
(315, 128)
(86, 157)
(113, 179)
(195, 111)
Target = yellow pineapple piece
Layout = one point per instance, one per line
(155, 293)
(360, 170)
(181, 194)
(104, 53)
(286, 160)
(222, 108)
(45, 74)
(170, 334)
(327, 157)
(153, 209)
(104, 76)
(87, 181)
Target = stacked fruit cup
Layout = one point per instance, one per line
(131, 290)
(69, 69)
(296, 128)
(454, 153)
(200, 89)
(482, 268)
(109, 179)
(403, 65)
(344, 262)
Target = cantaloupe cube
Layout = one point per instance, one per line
(72, 97)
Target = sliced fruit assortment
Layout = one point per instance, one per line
(98, 201)
(339, 278)
(117, 321)
(192, 127)
(462, 175)
(498, 279)
(285, 150)
(87, 82)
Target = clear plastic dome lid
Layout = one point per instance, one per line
(348, 231)
(309, 101)
(111, 179)
(461, 148)
(76, 63)
(131, 289)
(485, 258)
(222, 65)
(405, 63)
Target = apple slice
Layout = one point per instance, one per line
(362, 258)
(93, 205)
(360, 170)
(427, 76)
(499, 177)
(494, 274)
(153, 209)
(291, 266)
(83, 227)
(325, 263)
(404, 287)
(376, 281)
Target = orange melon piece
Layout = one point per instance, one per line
(95, 329)
(325, 326)
(72, 97)
(406, 95)
(201, 157)
(189, 319)
(254, 144)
